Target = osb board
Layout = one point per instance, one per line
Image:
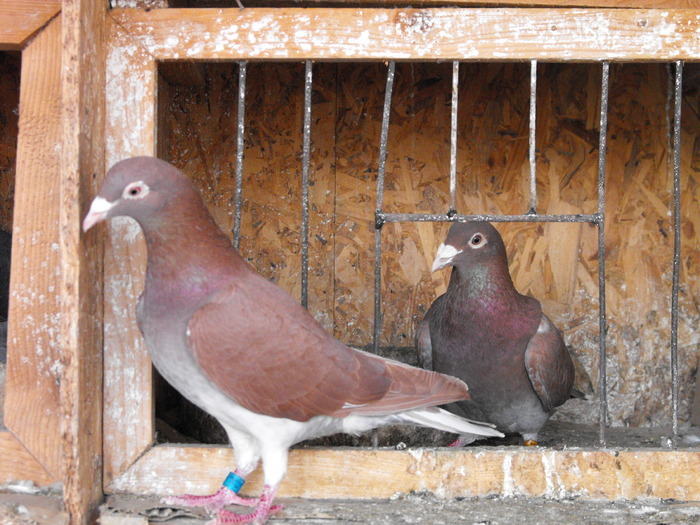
(323, 473)
(557, 263)
(9, 118)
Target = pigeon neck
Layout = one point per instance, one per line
(487, 282)
(187, 252)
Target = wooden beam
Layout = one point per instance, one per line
(34, 365)
(618, 4)
(17, 463)
(82, 167)
(20, 19)
(416, 34)
(130, 127)
(360, 473)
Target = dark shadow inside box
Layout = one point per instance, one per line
(10, 70)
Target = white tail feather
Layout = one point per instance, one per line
(444, 420)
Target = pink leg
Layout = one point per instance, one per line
(260, 515)
(213, 502)
(459, 442)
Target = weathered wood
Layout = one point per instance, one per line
(17, 463)
(82, 166)
(324, 473)
(130, 130)
(417, 34)
(652, 4)
(20, 19)
(34, 364)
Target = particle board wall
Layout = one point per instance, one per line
(553, 262)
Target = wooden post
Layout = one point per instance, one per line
(82, 167)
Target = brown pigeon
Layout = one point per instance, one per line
(498, 341)
(245, 351)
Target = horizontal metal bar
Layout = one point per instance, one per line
(529, 217)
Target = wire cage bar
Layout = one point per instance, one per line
(677, 103)
(381, 171)
(240, 148)
(602, 318)
(306, 160)
(531, 138)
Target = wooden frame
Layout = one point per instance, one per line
(139, 39)
(53, 400)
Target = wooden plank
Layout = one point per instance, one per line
(20, 19)
(18, 464)
(82, 166)
(618, 4)
(130, 130)
(34, 365)
(416, 34)
(511, 471)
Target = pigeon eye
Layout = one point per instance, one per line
(476, 240)
(135, 190)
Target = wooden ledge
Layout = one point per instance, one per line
(509, 34)
(361, 473)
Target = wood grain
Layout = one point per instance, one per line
(16, 463)
(130, 130)
(418, 34)
(34, 365)
(361, 473)
(20, 19)
(82, 166)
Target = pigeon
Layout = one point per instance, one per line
(498, 341)
(243, 350)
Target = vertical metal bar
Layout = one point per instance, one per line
(240, 147)
(677, 102)
(380, 203)
(532, 137)
(602, 149)
(453, 139)
(306, 160)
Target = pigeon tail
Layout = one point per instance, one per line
(443, 420)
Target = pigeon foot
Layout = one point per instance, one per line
(213, 502)
(225, 517)
(263, 511)
(530, 443)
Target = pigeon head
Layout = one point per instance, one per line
(468, 244)
(136, 187)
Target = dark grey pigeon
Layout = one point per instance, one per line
(495, 339)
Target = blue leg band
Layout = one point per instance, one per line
(233, 482)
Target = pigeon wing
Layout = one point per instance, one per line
(549, 365)
(267, 353)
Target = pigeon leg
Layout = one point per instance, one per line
(530, 439)
(260, 515)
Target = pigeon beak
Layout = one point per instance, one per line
(99, 209)
(445, 254)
